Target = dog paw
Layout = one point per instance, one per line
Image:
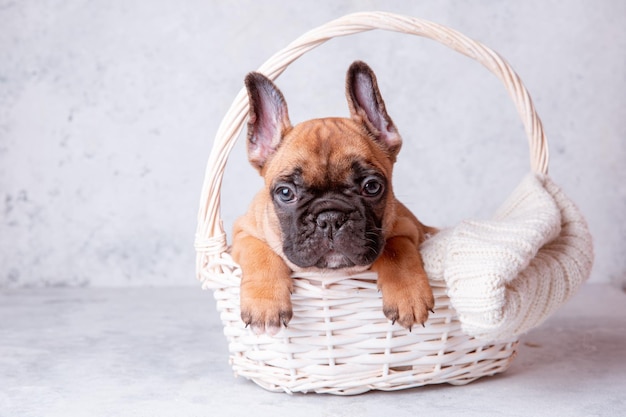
(407, 302)
(266, 313)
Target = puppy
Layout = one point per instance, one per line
(327, 203)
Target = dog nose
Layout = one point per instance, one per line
(330, 221)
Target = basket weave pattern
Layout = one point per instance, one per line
(339, 341)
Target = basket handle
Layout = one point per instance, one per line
(210, 235)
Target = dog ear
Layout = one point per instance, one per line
(268, 118)
(367, 107)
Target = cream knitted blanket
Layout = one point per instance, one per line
(507, 275)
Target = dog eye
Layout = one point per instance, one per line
(372, 187)
(285, 194)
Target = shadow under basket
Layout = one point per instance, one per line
(492, 279)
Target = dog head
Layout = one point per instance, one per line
(328, 191)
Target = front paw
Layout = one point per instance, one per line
(408, 301)
(265, 309)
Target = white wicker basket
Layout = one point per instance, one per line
(339, 341)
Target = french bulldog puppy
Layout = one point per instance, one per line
(327, 203)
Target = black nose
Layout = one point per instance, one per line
(330, 221)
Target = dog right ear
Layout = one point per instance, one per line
(268, 118)
(368, 107)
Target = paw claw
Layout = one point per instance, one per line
(264, 309)
(285, 317)
(407, 307)
(265, 321)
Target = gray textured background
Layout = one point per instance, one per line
(108, 109)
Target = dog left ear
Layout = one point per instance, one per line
(367, 106)
(268, 118)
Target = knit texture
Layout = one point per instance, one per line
(508, 274)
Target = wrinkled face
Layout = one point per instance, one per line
(330, 191)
